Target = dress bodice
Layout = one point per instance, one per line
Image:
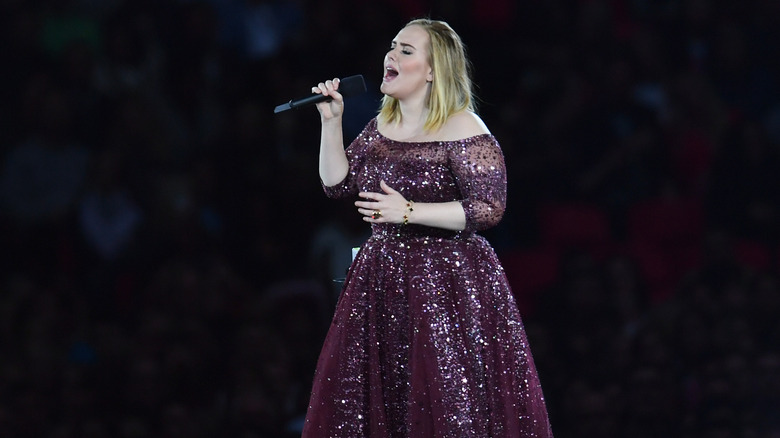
(469, 170)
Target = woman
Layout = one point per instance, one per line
(426, 340)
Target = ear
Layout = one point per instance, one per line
(429, 77)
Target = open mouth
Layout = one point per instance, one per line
(390, 73)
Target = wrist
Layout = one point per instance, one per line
(334, 121)
(408, 213)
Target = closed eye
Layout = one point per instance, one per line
(405, 48)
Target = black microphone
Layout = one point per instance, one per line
(350, 86)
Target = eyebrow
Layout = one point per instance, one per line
(404, 45)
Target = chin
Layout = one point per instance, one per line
(384, 89)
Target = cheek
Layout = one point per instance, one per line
(415, 66)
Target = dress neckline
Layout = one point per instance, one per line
(460, 140)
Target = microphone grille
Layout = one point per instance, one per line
(352, 86)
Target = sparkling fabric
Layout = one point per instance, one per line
(426, 340)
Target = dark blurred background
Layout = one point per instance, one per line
(171, 263)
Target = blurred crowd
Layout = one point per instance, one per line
(171, 263)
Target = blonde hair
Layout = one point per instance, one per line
(451, 87)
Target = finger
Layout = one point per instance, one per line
(371, 195)
(332, 85)
(367, 211)
(387, 189)
(323, 88)
(336, 96)
(370, 215)
(367, 205)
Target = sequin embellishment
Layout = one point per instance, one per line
(426, 340)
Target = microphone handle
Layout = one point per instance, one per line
(350, 86)
(295, 103)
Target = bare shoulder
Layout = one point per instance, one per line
(464, 124)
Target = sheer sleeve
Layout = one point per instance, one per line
(356, 154)
(480, 173)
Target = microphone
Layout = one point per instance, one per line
(350, 86)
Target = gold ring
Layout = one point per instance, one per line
(377, 214)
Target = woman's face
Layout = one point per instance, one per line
(407, 72)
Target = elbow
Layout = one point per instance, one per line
(482, 215)
(339, 190)
(493, 216)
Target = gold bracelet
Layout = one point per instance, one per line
(409, 210)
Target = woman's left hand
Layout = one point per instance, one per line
(387, 207)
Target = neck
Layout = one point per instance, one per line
(413, 114)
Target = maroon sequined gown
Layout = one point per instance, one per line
(426, 340)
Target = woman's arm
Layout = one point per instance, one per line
(480, 173)
(393, 207)
(334, 165)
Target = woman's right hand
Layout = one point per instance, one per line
(335, 108)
